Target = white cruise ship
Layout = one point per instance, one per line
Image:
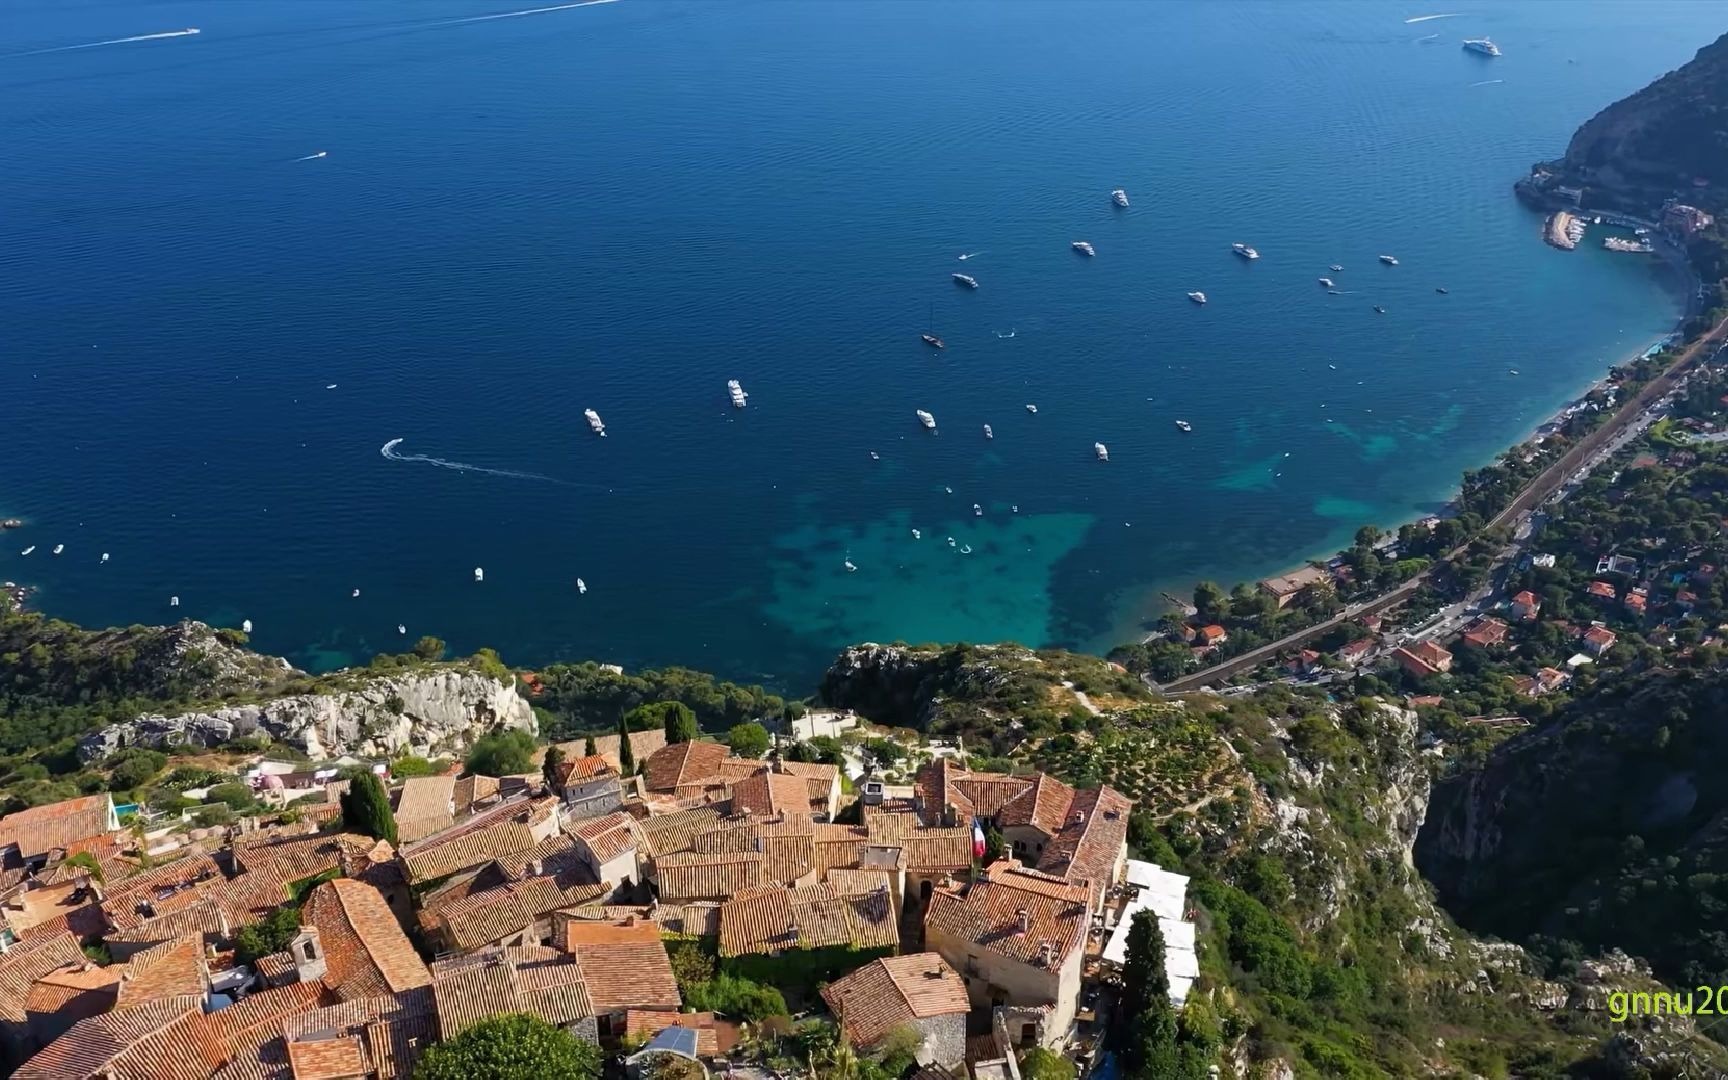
(594, 422)
(1482, 45)
(1245, 251)
(739, 397)
(926, 419)
(1119, 197)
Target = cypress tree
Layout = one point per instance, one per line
(366, 808)
(549, 767)
(588, 748)
(1145, 1023)
(626, 759)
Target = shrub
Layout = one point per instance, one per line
(502, 753)
(748, 740)
(238, 797)
(510, 1047)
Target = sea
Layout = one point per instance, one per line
(300, 313)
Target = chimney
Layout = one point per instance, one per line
(1078, 817)
(1046, 953)
(1025, 918)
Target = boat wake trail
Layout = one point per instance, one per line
(1004, 337)
(525, 11)
(970, 255)
(312, 157)
(1431, 18)
(188, 32)
(389, 451)
(1488, 82)
(1430, 37)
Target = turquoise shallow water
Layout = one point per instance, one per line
(621, 206)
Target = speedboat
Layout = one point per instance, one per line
(933, 341)
(1119, 197)
(1082, 247)
(173, 601)
(950, 541)
(1184, 425)
(916, 535)
(104, 556)
(581, 586)
(736, 392)
(1379, 309)
(926, 419)
(400, 629)
(356, 594)
(1032, 409)
(965, 279)
(1197, 297)
(874, 456)
(1389, 260)
(1328, 282)
(246, 626)
(1245, 251)
(1482, 45)
(479, 574)
(988, 434)
(1441, 289)
(1336, 269)
(28, 550)
(1101, 450)
(850, 569)
(977, 511)
(58, 548)
(594, 422)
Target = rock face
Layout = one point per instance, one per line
(421, 712)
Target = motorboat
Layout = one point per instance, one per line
(173, 601)
(917, 535)
(988, 434)
(1441, 289)
(977, 511)
(1119, 197)
(28, 550)
(1033, 409)
(581, 586)
(850, 569)
(246, 626)
(1101, 450)
(1481, 45)
(401, 629)
(1197, 297)
(1083, 247)
(874, 456)
(1336, 269)
(926, 419)
(737, 394)
(479, 574)
(58, 548)
(1379, 310)
(1328, 283)
(965, 279)
(933, 341)
(356, 594)
(1389, 260)
(1184, 425)
(1245, 251)
(104, 556)
(594, 422)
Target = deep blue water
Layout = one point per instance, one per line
(622, 206)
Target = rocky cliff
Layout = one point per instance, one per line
(423, 711)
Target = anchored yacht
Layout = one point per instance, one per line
(736, 392)
(1101, 450)
(1184, 425)
(988, 434)
(1032, 409)
(594, 422)
(1482, 45)
(1197, 297)
(1389, 260)
(926, 419)
(1245, 251)
(1119, 197)
(1327, 282)
(1082, 247)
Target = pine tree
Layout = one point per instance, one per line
(626, 758)
(366, 808)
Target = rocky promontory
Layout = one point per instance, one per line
(423, 711)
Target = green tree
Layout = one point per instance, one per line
(1368, 535)
(272, 935)
(514, 1046)
(675, 718)
(133, 768)
(88, 862)
(748, 740)
(588, 747)
(1145, 1022)
(1042, 1064)
(238, 797)
(626, 756)
(1210, 601)
(366, 808)
(502, 753)
(429, 648)
(549, 766)
(409, 765)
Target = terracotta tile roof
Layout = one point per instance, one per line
(1092, 840)
(277, 968)
(599, 930)
(63, 997)
(857, 882)
(644, 1024)
(895, 990)
(668, 833)
(424, 806)
(124, 896)
(643, 745)
(991, 793)
(201, 918)
(765, 792)
(555, 856)
(495, 914)
(627, 975)
(930, 850)
(160, 1040)
(936, 791)
(608, 837)
(1042, 804)
(988, 914)
(390, 1031)
(326, 1059)
(173, 968)
(700, 876)
(40, 829)
(772, 919)
(366, 952)
(576, 770)
(502, 830)
(23, 964)
(474, 788)
(682, 764)
(698, 920)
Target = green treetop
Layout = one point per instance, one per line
(514, 1046)
(366, 808)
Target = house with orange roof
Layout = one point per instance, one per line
(1525, 606)
(920, 992)
(610, 847)
(1601, 590)
(366, 953)
(1423, 659)
(1017, 937)
(1637, 601)
(39, 830)
(1303, 662)
(1212, 635)
(1486, 632)
(1598, 640)
(1351, 654)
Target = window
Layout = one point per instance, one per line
(1028, 1034)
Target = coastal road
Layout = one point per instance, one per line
(1544, 484)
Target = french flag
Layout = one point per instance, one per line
(977, 839)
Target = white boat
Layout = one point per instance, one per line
(736, 392)
(581, 586)
(874, 456)
(1389, 260)
(916, 535)
(1119, 197)
(1328, 282)
(594, 422)
(356, 594)
(1197, 297)
(1184, 425)
(850, 569)
(173, 601)
(104, 556)
(1082, 247)
(400, 629)
(1245, 251)
(965, 279)
(246, 626)
(58, 548)
(28, 550)
(1101, 450)
(977, 511)
(1015, 509)
(1336, 269)
(1032, 409)
(988, 434)
(950, 541)
(926, 419)
(1482, 45)
(479, 574)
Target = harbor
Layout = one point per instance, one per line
(1563, 230)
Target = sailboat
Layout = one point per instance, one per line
(929, 336)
